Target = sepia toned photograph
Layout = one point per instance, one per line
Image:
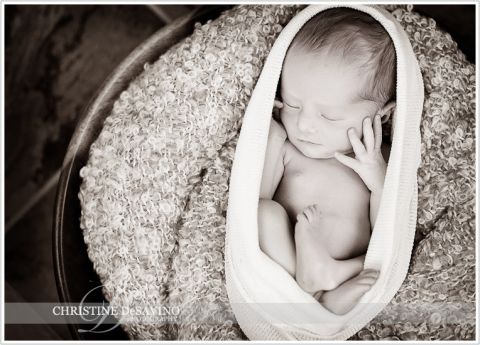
(239, 172)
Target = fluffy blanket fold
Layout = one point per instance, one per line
(155, 188)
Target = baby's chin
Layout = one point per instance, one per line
(319, 151)
(318, 155)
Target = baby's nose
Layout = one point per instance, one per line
(306, 123)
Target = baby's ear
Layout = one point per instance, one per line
(387, 111)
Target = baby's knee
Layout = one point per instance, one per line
(274, 234)
(271, 211)
(272, 219)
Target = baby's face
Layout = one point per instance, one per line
(320, 94)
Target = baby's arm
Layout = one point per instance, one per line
(274, 228)
(375, 198)
(369, 163)
(273, 167)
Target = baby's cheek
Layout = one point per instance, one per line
(285, 111)
(357, 127)
(286, 117)
(345, 140)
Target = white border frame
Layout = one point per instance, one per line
(213, 2)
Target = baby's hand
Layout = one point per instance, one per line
(277, 105)
(368, 163)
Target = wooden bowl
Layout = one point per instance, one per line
(74, 273)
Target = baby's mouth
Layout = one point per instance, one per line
(308, 142)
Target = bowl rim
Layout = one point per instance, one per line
(91, 121)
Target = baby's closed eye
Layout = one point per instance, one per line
(291, 106)
(329, 118)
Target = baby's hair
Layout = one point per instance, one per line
(359, 38)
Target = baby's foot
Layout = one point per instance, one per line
(342, 299)
(310, 217)
(314, 265)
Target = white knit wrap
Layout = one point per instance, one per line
(266, 300)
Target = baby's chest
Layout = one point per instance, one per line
(335, 188)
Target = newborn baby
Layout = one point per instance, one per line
(337, 85)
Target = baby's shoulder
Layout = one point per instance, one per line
(277, 137)
(289, 151)
(277, 132)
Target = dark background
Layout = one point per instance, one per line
(56, 58)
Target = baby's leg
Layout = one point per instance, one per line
(276, 234)
(344, 297)
(316, 269)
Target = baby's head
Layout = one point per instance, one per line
(339, 69)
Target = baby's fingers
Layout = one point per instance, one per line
(347, 161)
(377, 129)
(368, 137)
(357, 145)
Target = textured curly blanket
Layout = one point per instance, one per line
(155, 188)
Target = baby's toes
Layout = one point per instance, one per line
(302, 218)
(368, 280)
(305, 215)
(363, 288)
(312, 213)
(373, 274)
(369, 272)
(308, 211)
(367, 277)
